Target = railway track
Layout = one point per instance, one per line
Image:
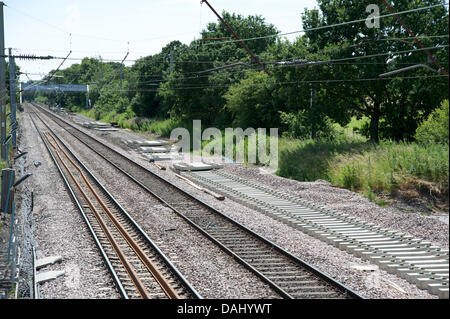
(138, 267)
(285, 273)
(414, 259)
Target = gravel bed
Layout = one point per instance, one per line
(211, 272)
(346, 201)
(60, 230)
(340, 265)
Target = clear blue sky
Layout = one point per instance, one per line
(43, 27)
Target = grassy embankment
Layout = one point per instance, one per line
(350, 161)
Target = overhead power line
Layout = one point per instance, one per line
(415, 39)
(325, 26)
(356, 57)
(294, 82)
(53, 73)
(163, 57)
(298, 63)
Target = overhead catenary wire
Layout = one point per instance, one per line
(163, 58)
(231, 41)
(325, 26)
(433, 59)
(294, 82)
(342, 63)
(362, 56)
(277, 64)
(312, 63)
(54, 72)
(309, 63)
(159, 60)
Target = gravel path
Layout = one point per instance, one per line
(340, 265)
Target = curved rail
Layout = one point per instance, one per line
(104, 208)
(285, 273)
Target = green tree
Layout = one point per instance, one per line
(144, 79)
(200, 96)
(251, 103)
(300, 97)
(393, 106)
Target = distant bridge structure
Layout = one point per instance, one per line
(37, 87)
(54, 87)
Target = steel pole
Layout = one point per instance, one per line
(12, 94)
(2, 84)
(254, 57)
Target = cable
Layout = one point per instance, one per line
(62, 30)
(361, 57)
(221, 55)
(326, 26)
(334, 61)
(294, 82)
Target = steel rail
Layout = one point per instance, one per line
(159, 278)
(142, 233)
(133, 244)
(110, 267)
(119, 252)
(106, 230)
(326, 278)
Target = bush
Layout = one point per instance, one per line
(436, 128)
(304, 125)
(251, 103)
(41, 99)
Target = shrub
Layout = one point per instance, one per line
(436, 128)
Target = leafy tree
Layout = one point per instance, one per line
(200, 96)
(392, 105)
(301, 98)
(144, 79)
(251, 103)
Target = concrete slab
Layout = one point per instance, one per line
(440, 289)
(47, 261)
(146, 149)
(48, 275)
(366, 267)
(96, 125)
(100, 124)
(196, 166)
(159, 156)
(109, 129)
(150, 143)
(443, 293)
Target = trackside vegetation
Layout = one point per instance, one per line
(338, 119)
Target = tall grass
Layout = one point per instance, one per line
(391, 164)
(124, 120)
(309, 160)
(349, 161)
